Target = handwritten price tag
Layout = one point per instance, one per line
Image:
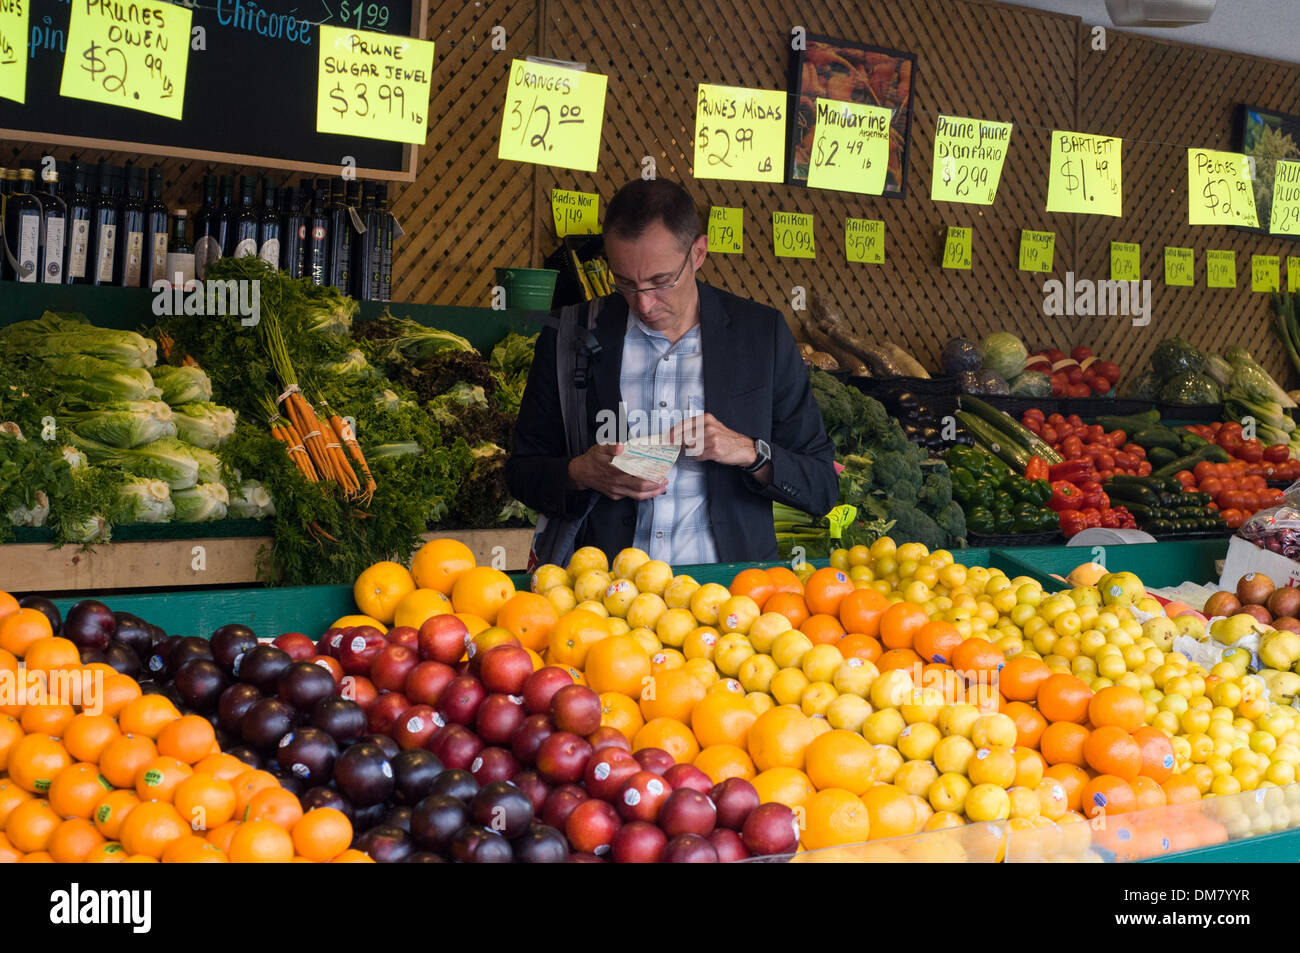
(1037, 250)
(850, 147)
(1180, 267)
(792, 235)
(840, 519)
(739, 133)
(1292, 274)
(553, 116)
(1125, 261)
(1085, 175)
(131, 55)
(1265, 273)
(968, 159)
(1285, 216)
(13, 49)
(957, 248)
(373, 85)
(1220, 268)
(1219, 189)
(727, 230)
(575, 213)
(864, 240)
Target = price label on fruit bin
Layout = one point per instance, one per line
(130, 55)
(850, 149)
(13, 50)
(968, 159)
(1284, 218)
(374, 85)
(1037, 250)
(739, 133)
(792, 235)
(1220, 188)
(1180, 267)
(1125, 261)
(1085, 174)
(1221, 268)
(864, 240)
(553, 116)
(575, 213)
(840, 519)
(957, 248)
(1265, 273)
(727, 230)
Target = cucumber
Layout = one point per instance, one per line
(995, 442)
(1128, 492)
(1157, 437)
(1012, 427)
(1130, 423)
(1159, 456)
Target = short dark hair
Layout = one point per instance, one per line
(643, 202)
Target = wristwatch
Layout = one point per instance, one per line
(764, 456)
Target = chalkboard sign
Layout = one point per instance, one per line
(250, 94)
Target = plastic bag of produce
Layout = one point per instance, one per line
(253, 502)
(203, 503)
(204, 424)
(1188, 390)
(99, 382)
(150, 501)
(59, 334)
(1277, 528)
(182, 385)
(125, 425)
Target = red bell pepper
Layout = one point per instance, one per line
(1065, 496)
(1094, 497)
(1075, 471)
(1110, 519)
(1091, 517)
(1072, 523)
(1277, 453)
(1037, 469)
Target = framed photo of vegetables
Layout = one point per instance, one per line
(1266, 136)
(857, 73)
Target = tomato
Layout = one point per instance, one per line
(1074, 420)
(1072, 523)
(1056, 420)
(1049, 435)
(1229, 441)
(1104, 475)
(1204, 470)
(1212, 486)
(1223, 470)
(1234, 499)
(1254, 482)
(1186, 478)
(1233, 518)
(1072, 448)
(1033, 413)
(1125, 461)
(1144, 469)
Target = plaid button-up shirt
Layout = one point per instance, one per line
(662, 385)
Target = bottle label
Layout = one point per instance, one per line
(54, 230)
(206, 250)
(302, 232)
(134, 259)
(158, 258)
(179, 264)
(270, 252)
(29, 247)
(246, 248)
(104, 265)
(80, 245)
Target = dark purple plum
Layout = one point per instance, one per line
(303, 684)
(121, 659)
(234, 704)
(89, 624)
(399, 817)
(135, 632)
(477, 845)
(364, 774)
(230, 643)
(247, 754)
(385, 844)
(309, 755)
(436, 819)
(201, 682)
(46, 608)
(540, 844)
(322, 796)
(391, 748)
(502, 808)
(262, 666)
(416, 770)
(456, 783)
(265, 723)
(340, 718)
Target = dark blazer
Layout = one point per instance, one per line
(755, 383)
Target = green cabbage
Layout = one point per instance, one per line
(182, 385)
(149, 500)
(203, 503)
(167, 459)
(1004, 354)
(124, 425)
(99, 382)
(1187, 389)
(56, 334)
(204, 424)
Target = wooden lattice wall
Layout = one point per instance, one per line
(467, 212)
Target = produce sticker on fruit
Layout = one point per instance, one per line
(1284, 218)
(575, 213)
(373, 85)
(1085, 175)
(968, 159)
(129, 54)
(850, 147)
(1125, 261)
(13, 49)
(1219, 188)
(739, 134)
(553, 116)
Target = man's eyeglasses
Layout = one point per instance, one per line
(630, 292)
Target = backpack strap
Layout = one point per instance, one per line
(575, 349)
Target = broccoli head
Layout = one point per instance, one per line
(913, 526)
(1176, 356)
(898, 475)
(952, 520)
(935, 493)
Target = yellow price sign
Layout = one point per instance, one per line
(1265, 273)
(727, 230)
(1220, 268)
(850, 147)
(1292, 274)
(131, 55)
(13, 49)
(1284, 218)
(968, 159)
(553, 116)
(1180, 267)
(374, 85)
(840, 519)
(1037, 250)
(957, 247)
(1085, 175)
(792, 235)
(575, 213)
(739, 133)
(1219, 190)
(1125, 261)
(864, 240)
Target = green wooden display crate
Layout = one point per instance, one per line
(1156, 564)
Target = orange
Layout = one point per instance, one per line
(784, 580)
(1029, 767)
(147, 715)
(11, 795)
(72, 840)
(573, 635)
(934, 641)
(482, 591)
(840, 759)
(720, 762)
(85, 737)
(31, 825)
(20, 628)
(670, 735)
(780, 737)
(977, 658)
(672, 693)
(529, 618)
(1107, 794)
(825, 589)
(1020, 678)
(322, 834)
(77, 789)
(35, 760)
(150, 827)
(351, 856)
(261, 842)
(110, 852)
(1111, 750)
(1064, 697)
(900, 624)
(1062, 743)
(859, 645)
(617, 663)
(619, 711)
(47, 719)
(789, 786)
(755, 583)
(8, 855)
(275, 805)
(898, 658)
(7, 604)
(193, 850)
(122, 759)
(1180, 789)
(1029, 723)
(224, 766)
(722, 718)
(790, 605)
(221, 835)
(380, 588)
(1072, 778)
(473, 622)
(1157, 753)
(112, 810)
(248, 784)
(204, 801)
(1117, 705)
(1147, 794)
(187, 739)
(861, 611)
(440, 562)
(10, 732)
(833, 817)
(157, 778)
(890, 811)
(51, 654)
(821, 629)
(118, 691)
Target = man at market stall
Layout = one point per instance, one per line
(673, 358)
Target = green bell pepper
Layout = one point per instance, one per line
(980, 520)
(1039, 492)
(1027, 518)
